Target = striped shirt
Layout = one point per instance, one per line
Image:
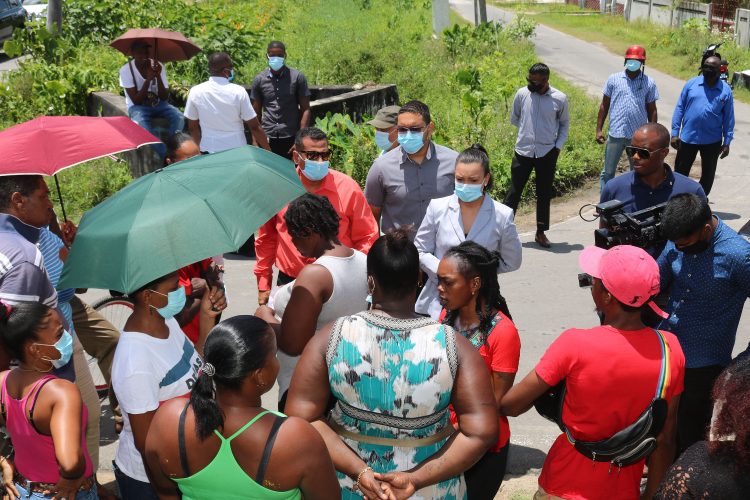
(628, 99)
(50, 245)
(542, 120)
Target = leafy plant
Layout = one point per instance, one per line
(353, 145)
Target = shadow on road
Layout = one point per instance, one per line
(561, 247)
(522, 459)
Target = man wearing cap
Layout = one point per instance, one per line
(281, 99)
(706, 268)
(147, 92)
(609, 383)
(630, 100)
(385, 123)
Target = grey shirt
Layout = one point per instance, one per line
(542, 121)
(403, 189)
(279, 96)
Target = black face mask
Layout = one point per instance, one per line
(534, 88)
(709, 73)
(699, 246)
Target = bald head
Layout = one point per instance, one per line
(218, 62)
(655, 133)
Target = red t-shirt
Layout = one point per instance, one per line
(611, 378)
(192, 329)
(500, 353)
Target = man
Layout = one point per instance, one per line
(147, 92)
(703, 121)
(706, 267)
(357, 228)
(630, 100)
(402, 182)
(612, 373)
(540, 112)
(385, 123)
(218, 110)
(281, 98)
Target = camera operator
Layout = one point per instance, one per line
(706, 267)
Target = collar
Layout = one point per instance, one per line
(221, 80)
(281, 72)
(12, 224)
(702, 82)
(624, 74)
(669, 181)
(428, 156)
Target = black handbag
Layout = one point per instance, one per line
(631, 444)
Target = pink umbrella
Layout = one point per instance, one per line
(50, 144)
(168, 45)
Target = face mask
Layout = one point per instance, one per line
(315, 170)
(533, 88)
(382, 140)
(65, 347)
(469, 192)
(699, 246)
(175, 303)
(231, 75)
(632, 65)
(411, 142)
(275, 63)
(709, 73)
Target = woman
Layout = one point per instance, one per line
(44, 415)
(334, 285)
(468, 214)
(469, 291)
(393, 375)
(716, 469)
(233, 448)
(154, 362)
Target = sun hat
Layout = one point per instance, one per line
(385, 117)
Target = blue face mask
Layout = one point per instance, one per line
(231, 75)
(175, 303)
(65, 347)
(315, 170)
(632, 65)
(411, 142)
(382, 140)
(275, 63)
(469, 192)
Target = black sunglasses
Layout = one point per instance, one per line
(643, 153)
(317, 155)
(413, 130)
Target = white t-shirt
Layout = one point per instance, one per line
(222, 108)
(126, 80)
(146, 372)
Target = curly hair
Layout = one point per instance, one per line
(732, 396)
(312, 213)
(475, 260)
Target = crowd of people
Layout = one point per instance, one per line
(394, 351)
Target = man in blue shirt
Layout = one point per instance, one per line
(630, 100)
(706, 267)
(705, 113)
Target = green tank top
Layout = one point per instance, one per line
(224, 478)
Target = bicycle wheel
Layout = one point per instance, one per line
(116, 310)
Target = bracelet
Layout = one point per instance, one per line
(359, 476)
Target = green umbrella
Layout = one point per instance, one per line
(178, 215)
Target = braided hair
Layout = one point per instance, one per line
(475, 260)
(312, 213)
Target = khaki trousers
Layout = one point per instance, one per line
(90, 398)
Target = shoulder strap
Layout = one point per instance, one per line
(181, 441)
(663, 382)
(450, 348)
(38, 387)
(3, 391)
(267, 450)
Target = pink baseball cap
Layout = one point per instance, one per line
(628, 272)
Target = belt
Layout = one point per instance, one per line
(46, 488)
(447, 431)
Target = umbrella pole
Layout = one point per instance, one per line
(59, 196)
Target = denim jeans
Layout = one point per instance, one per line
(142, 115)
(81, 495)
(132, 489)
(612, 153)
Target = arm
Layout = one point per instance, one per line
(194, 127)
(376, 211)
(520, 398)
(212, 303)
(312, 288)
(564, 126)
(727, 125)
(265, 254)
(161, 81)
(511, 251)
(319, 480)
(305, 112)
(157, 439)
(65, 428)
(666, 450)
(677, 114)
(257, 132)
(425, 241)
(258, 108)
(603, 112)
(139, 95)
(653, 116)
(515, 113)
(375, 191)
(364, 229)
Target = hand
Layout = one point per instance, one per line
(266, 314)
(373, 489)
(69, 231)
(401, 483)
(67, 488)
(213, 275)
(156, 67)
(8, 485)
(199, 286)
(63, 254)
(724, 152)
(263, 296)
(600, 137)
(675, 142)
(213, 302)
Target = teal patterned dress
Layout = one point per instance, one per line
(393, 378)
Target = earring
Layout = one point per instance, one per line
(260, 384)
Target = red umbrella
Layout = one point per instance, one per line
(50, 144)
(168, 45)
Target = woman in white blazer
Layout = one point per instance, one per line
(468, 214)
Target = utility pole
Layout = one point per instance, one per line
(440, 16)
(54, 16)
(480, 12)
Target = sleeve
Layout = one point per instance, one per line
(185, 281)
(609, 87)
(364, 227)
(700, 192)
(509, 247)
(741, 273)
(515, 114)
(653, 91)
(504, 346)
(137, 392)
(426, 242)
(265, 253)
(374, 190)
(665, 267)
(564, 127)
(246, 108)
(26, 282)
(606, 194)
(163, 76)
(256, 90)
(302, 89)
(191, 111)
(728, 119)
(126, 78)
(558, 360)
(679, 109)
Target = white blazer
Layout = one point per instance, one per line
(442, 229)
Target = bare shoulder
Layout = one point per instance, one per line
(298, 438)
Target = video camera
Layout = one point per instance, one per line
(641, 229)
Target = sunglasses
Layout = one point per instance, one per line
(317, 155)
(413, 130)
(643, 153)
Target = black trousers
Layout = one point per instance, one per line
(696, 405)
(520, 170)
(709, 157)
(281, 146)
(484, 478)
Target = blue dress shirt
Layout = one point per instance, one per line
(636, 195)
(706, 114)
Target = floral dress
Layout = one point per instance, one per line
(392, 378)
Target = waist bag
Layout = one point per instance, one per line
(632, 443)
